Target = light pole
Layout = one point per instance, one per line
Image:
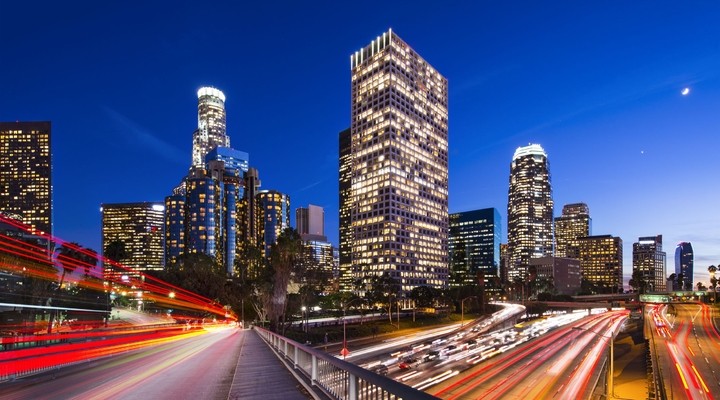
(344, 352)
(462, 310)
(304, 310)
(611, 339)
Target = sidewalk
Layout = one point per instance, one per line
(261, 375)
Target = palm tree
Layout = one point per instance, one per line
(713, 280)
(284, 255)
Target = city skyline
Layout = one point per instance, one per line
(606, 105)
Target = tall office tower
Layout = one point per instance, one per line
(317, 255)
(25, 173)
(474, 245)
(210, 132)
(564, 273)
(274, 208)
(649, 259)
(684, 266)
(601, 262)
(399, 165)
(574, 222)
(503, 262)
(344, 253)
(202, 216)
(310, 220)
(530, 209)
(139, 227)
(174, 227)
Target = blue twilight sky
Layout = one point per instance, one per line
(598, 84)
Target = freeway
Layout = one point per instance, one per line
(196, 367)
(687, 347)
(563, 363)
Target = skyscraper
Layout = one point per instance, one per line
(25, 173)
(275, 216)
(684, 266)
(601, 262)
(530, 209)
(211, 130)
(474, 245)
(649, 259)
(574, 222)
(139, 227)
(317, 256)
(346, 231)
(310, 220)
(399, 165)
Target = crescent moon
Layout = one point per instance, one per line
(685, 91)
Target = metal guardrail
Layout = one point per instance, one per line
(337, 378)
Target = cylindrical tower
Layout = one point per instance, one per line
(211, 131)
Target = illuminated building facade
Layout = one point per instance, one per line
(399, 166)
(650, 260)
(601, 262)
(25, 173)
(139, 227)
(684, 266)
(474, 245)
(317, 254)
(574, 222)
(174, 227)
(274, 209)
(530, 209)
(345, 250)
(211, 130)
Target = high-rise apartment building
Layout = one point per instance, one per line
(601, 262)
(139, 227)
(574, 222)
(530, 209)
(399, 165)
(684, 266)
(274, 208)
(346, 231)
(310, 220)
(211, 130)
(474, 246)
(25, 173)
(649, 259)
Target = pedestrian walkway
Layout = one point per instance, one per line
(260, 374)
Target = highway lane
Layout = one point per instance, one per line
(688, 350)
(564, 363)
(197, 367)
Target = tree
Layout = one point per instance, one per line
(638, 282)
(673, 281)
(284, 255)
(423, 296)
(701, 287)
(382, 289)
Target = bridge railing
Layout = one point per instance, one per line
(337, 378)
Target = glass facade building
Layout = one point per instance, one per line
(530, 209)
(25, 173)
(684, 265)
(211, 130)
(140, 228)
(649, 259)
(398, 166)
(344, 220)
(574, 222)
(474, 246)
(275, 213)
(601, 262)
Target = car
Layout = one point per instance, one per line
(431, 355)
(381, 370)
(404, 366)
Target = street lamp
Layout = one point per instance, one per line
(304, 315)
(609, 387)
(462, 310)
(344, 352)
